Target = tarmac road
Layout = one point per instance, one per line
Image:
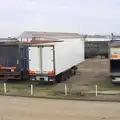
(16, 108)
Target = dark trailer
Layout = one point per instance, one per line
(13, 61)
(95, 48)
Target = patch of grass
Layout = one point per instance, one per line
(23, 88)
(105, 84)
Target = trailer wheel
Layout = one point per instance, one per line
(65, 75)
(74, 70)
(69, 73)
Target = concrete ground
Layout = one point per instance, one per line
(15, 108)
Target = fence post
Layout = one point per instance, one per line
(65, 90)
(96, 90)
(5, 88)
(31, 89)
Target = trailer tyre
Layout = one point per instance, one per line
(69, 74)
(74, 72)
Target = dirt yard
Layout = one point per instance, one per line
(14, 108)
(91, 69)
(89, 72)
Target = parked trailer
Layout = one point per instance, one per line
(13, 62)
(14, 59)
(114, 61)
(95, 48)
(55, 61)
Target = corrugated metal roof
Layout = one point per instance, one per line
(29, 34)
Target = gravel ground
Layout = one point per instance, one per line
(42, 109)
(90, 71)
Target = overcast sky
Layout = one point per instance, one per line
(82, 16)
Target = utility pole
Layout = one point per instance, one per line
(112, 36)
(84, 37)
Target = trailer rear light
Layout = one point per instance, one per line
(3, 68)
(50, 72)
(7, 68)
(13, 68)
(113, 56)
(51, 79)
(32, 72)
(32, 79)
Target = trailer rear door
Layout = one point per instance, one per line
(34, 59)
(41, 59)
(47, 59)
(9, 55)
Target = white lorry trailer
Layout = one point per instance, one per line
(55, 61)
(114, 61)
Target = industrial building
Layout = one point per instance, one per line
(28, 35)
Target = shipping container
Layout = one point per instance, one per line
(55, 61)
(114, 61)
